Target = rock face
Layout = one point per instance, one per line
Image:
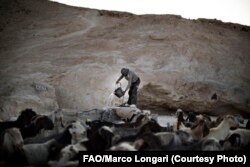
(58, 56)
(21, 92)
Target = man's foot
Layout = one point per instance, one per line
(132, 105)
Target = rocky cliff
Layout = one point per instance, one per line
(52, 55)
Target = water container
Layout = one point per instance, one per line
(118, 91)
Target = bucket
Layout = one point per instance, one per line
(118, 91)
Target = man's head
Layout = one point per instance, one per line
(124, 71)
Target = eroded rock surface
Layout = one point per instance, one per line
(55, 56)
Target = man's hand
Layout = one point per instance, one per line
(118, 80)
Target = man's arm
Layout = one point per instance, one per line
(129, 83)
(119, 79)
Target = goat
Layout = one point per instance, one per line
(188, 122)
(45, 135)
(11, 141)
(22, 121)
(8, 124)
(57, 119)
(222, 130)
(121, 131)
(25, 117)
(198, 130)
(100, 140)
(40, 153)
(29, 123)
(215, 123)
(78, 132)
(148, 127)
(244, 136)
(38, 123)
(180, 141)
(124, 146)
(73, 134)
(68, 153)
(96, 124)
(180, 118)
(126, 113)
(155, 141)
(191, 117)
(205, 144)
(233, 142)
(164, 137)
(210, 144)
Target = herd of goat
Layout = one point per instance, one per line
(40, 140)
